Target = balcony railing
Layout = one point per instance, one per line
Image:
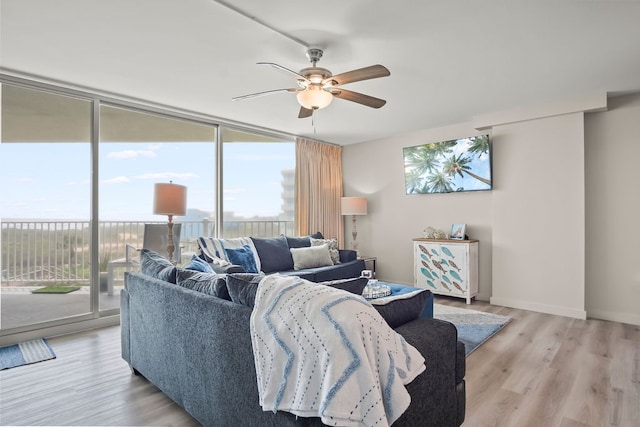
(59, 251)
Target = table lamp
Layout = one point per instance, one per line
(354, 206)
(170, 199)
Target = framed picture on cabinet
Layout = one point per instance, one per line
(457, 231)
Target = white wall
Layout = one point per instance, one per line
(550, 231)
(375, 170)
(538, 215)
(613, 209)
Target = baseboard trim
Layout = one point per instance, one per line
(630, 318)
(540, 308)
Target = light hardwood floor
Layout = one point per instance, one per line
(540, 370)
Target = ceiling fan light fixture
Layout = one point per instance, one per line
(314, 98)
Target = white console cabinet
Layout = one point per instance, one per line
(446, 267)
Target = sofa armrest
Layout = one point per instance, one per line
(347, 255)
(439, 389)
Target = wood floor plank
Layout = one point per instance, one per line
(540, 370)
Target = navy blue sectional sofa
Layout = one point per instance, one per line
(275, 256)
(196, 347)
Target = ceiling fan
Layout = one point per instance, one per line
(317, 86)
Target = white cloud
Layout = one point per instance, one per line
(116, 180)
(21, 179)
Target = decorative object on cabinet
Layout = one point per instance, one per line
(446, 267)
(354, 206)
(432, 233)
(457, 231)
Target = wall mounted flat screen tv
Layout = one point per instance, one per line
(448, 166)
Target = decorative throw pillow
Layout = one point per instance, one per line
(207, 283)
(155, 265)
(273, 253)
(243, 256)
(400, 309)
(313, 256)
(333, 247)
(355, 285)
(198, 264)
(242, 287)
(303, 241)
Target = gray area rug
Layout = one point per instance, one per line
(25, 353)
(474, 327)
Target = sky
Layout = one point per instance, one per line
(52, 180)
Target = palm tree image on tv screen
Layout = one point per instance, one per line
(448, 166)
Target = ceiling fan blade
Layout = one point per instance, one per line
(366, 73)
(278, 67)
(360, 98)
(304, 113)
(267, 92)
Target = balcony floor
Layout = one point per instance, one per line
(19, 307)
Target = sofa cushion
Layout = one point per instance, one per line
(302, 241)
(313, 256)
(242, 287)
(207, 283)
(198, 264)
(274, 253)
(155, 265)
(355, 285)
(399, 309)
(343, 270)
(242, 256)
(333, 248)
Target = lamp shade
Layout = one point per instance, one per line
(169, 199)
(314, 97)
(353, 206)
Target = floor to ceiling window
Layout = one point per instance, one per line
(45, 204)
(138, 150)
(258, 185)
(77, 178)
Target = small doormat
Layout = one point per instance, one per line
(25, 353)
(55, 290)
(474, 327)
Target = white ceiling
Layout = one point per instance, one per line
(449, 60)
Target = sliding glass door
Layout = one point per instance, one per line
(137, 150)
(77, 177)
(258, 184)
(45, 204)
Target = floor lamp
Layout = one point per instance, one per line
(353, 206)
(170, 199)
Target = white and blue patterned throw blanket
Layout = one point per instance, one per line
(323, 352)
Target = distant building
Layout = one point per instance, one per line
(288, 195)
(200, 223)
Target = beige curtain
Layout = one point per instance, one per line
(319, 189)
